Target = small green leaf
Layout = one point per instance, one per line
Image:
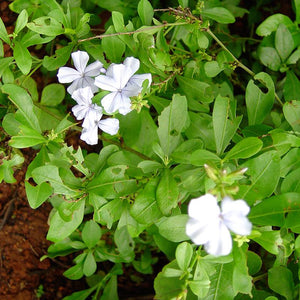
(91, 233)
(271, 24)
(89, 265)
(145, 11)
(53, 94)
(46, 25)
(184, 254)
(21, 21)
(110, 290)
(173, 228)
(291, 87)
(3, 33)
(22, 57)
(259, 102)
(167, 193)
(75, 272)
(219, 14)
(269, 57)
(26, 137)
(37, 195)
(284, 42)
(6, 168)
(245, 148)
(291, 111)
(212, 68)
(201, 157)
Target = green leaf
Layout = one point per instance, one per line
(113, 46)
(91, 233)
(145, 11)
(271, 24)
(3, 33)
(290, 162)
(37, 195)
(125, 244)
(144, 208)
(280, 280)
(4, 64)
(291, 111)
(46, 25)
(259, 103)
(110, 290)
(245, 148)
(195, 89)
(184, 254)
(269, 57)
(254, 262)
(60, 229)
(74, 273)
(291, 182)
(173, 228)
(284, 42)
(219, 14)
(167, 193)
(6, 168)
(23, 102)
(21, 21)
(26, 137)
(224, 128)
(81, 295)
(89, 265)
(291, 87)
(53, 94)
(270, 240)
(22, 57)
(172, 122)
(212, 68)
(264, 172)
(201, 157)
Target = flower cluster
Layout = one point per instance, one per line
(118, 79)
(210, 226)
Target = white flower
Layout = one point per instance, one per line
(209, 226)
(82, 75)
(122, 84)
(92, 114)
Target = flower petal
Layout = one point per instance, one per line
(83, 96)
(234, 215)
(205, 209)
(93, 69)
(93, 116)
(110, 126)
(90, 135)
(106, 83)
(80, 111)
(66, 74)
(80, 60)
(134, 85)
(120, 75)
(198, 232)
(132, 64)
(116, 101)
(220, 242)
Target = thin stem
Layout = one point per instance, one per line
(144, 29)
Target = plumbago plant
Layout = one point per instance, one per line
(196, 150)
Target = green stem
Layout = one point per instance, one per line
(239, 64)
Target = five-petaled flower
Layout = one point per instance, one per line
(122, 83)
(83, 75)
(209, 225)
(92, 114)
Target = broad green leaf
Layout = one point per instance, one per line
(144, 208)
(221, 283)
(201, 157)
(59, 229)
(273, 211)
(113, 46)
(81, 295)
(280, 280)
(40, 159)
(22, 57)
(172, 121)
(291, 87)
(184, 254)
(26, 137)
(264, 172)
(4, 64)
(6, 168)
(291, 111)
(37, 195)
(150, 166)
(294, 57)
(23, 102)
(284, 42)
(269, 57)
(53, 94)
(297, 8)
(74, 273)
(291, 182)
(212, 68)
(110, 290)
(139, 131)
(259, 103)
(125, 244)
(46, 25)
(254, 262)
(184, 151)
(271, 24)
(91, 233)
(21, 21)
(224, 128)
(173, 228)
(290, 162)
(219, 14)
(195, 89)
(145, 11)
(269, 240)
(89, 265)
(3, 33)
(167, 192)
(245, 148)
(31, 38)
